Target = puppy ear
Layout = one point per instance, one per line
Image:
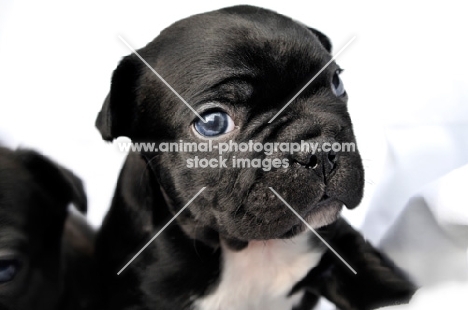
(59, 183)
(323, 39)
(117, 113)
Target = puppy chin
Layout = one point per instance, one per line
(326, 213)
(323, 214)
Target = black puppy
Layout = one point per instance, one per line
(45, 254)
(237, 246)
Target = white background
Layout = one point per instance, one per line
(405, 74)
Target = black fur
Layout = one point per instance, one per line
(138, 211)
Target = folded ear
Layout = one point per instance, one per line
(323, 39)
(59, 183)
(117, 114)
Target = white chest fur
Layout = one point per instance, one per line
(261, 276)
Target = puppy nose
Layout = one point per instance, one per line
(322, 163)
(309, 161)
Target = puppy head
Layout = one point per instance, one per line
(34, 195)
(237, 68)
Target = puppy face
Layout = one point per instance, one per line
(34, 194)
(237, 68)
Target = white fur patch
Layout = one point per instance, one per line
(261, 276)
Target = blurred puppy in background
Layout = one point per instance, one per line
(45, 250)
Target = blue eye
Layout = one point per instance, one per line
(8, 269)
(337, 85)
(217, 123)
